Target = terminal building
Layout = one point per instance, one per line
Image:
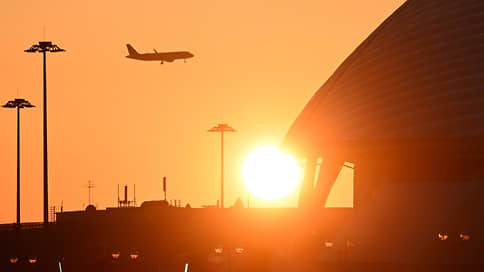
(406, 108)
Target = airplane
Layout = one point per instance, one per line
(162, 56)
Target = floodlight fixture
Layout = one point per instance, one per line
(222, 128)
(18, 103)
(44, 46)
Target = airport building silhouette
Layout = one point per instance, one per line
(406, 108)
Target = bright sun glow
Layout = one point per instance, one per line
(270, 174)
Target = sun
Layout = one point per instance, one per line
(270, 174)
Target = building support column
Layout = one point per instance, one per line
(307, 187)
(328, 173)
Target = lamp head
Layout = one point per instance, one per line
(18, 103)
(44, 46)
(222, 127)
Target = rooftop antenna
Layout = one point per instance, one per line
(118, 195)
(126, 194)
(134, 197)
(90, 185)
(164, 186)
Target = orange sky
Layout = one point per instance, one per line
(115, 120)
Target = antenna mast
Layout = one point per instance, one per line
(164, 186)
(118, 195)
(134, 197)
(90, 185)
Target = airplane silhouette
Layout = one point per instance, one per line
(163, 56)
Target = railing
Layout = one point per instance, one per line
(24, 226)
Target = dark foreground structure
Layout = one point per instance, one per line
(158, 237)
(406, 108)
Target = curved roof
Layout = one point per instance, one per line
(420, 74)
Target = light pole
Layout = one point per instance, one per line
(222, 128)
(18, 103)
(44, 47)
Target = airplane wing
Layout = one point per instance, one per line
(155, 51)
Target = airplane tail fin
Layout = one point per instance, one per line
(131, 50)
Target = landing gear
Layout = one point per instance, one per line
(161, 62)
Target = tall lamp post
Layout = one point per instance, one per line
(18, 103)
(44, 47)
(222, 128)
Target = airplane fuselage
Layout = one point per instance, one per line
(165, 56)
